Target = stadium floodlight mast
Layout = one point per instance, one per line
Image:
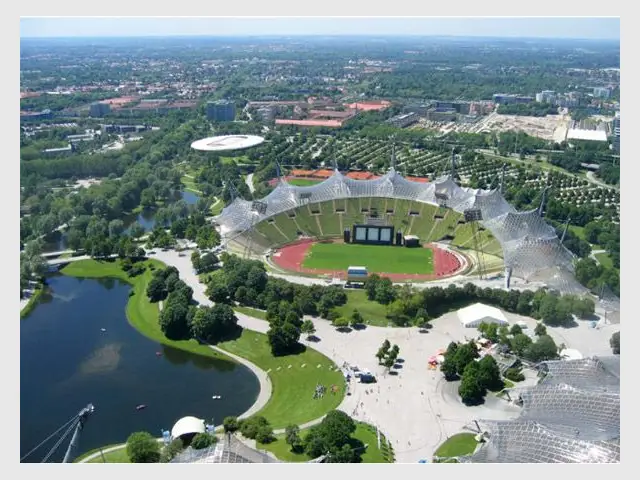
(472, 216)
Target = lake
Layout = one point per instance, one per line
(57, 241)
(66, 362)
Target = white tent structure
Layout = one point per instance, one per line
(475, 314)
(187, 426)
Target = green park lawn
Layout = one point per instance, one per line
(364, 432)
(302, 182)
(457, 445)
(292, 388)
(374, 313)
(604, 260)
(377, 258)
(116, 456)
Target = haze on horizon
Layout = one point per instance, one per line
(605, 28)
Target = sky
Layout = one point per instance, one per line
(523, 27)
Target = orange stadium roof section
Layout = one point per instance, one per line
(418, 179)
(310, 123)
(361, 175)
(324, 173)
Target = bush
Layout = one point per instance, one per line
(251, 426)
(203, 440)
(143, 448)
(170, 451)
(614, 342)
(514, 374)
(230, 424)
(264, 434)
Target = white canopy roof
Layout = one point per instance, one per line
(187, 425)
(475, 314)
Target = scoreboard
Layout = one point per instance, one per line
(373, 234)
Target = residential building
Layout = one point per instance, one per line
(601, 92)
(221, 111)
(99, 109)
(404, 119)
(616, 132)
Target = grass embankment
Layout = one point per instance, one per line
(292, 388)
(377, 258)
(117, 456)
(374, 313)
(33, 301)
(364, 432)
(252, 312)
(457, 445)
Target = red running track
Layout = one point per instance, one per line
(291, 257)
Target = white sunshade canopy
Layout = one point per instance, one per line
(475, 314)
(187, 425)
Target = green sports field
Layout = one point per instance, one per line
(302, 182)
(377, 258)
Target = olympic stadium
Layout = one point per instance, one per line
(525, 246)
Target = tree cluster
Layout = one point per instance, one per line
(256, 428)
(179, 318)
(387, 355)
(429, 303)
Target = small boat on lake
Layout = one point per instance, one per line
(142, 406)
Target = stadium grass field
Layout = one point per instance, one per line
(302, 182)
(377, 258)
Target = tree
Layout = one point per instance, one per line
(213, 323)
(136, 230)
(489, 374)
(515, 329)
(143, 448)
(203, 440)
(173, 320)
(614, 342)
(195, 261)
(230, 424)
(292, 437)
(520, 343)
(308, 328)
(283, 338)
(471, 391)
(503, 335)
(371, 284)
(207, 263)
(465, 354)
(389, 362)
(384, 291)
(341, 322)
(156, 289)
(449, 369)
(356, 318)
(116, 227)
(542, 349)
(489, 331)
(540, 329)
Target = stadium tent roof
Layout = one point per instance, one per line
(475, 314)
(187, 425)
